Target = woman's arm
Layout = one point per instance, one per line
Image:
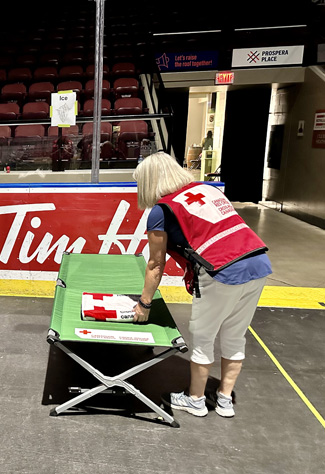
(154, 271)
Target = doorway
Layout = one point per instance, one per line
(243, 151)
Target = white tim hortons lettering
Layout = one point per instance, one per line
(112, 236)
(20, 211)
(43, 251)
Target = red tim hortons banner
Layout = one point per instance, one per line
(40, 222)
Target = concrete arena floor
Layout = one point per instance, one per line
(273, 431)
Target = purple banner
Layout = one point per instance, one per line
(187, 61)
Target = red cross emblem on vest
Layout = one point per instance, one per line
(192, 198)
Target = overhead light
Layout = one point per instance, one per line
(186, 33)
(270, 27)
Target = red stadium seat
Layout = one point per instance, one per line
(128, 106)
(66, 131)
(76, 44)
(56, 34)
(90, 71)
(23, 74)
(27, 60)
(3, 75)
(13, 92)
(5, 135)
(35, 131)
(5, 132)
(70, 85)
(35, 110)
(130, 135)
(9, 111)
(52, 59)
(40, 91)
(52, 46)
(124, 69)
(89, 89)
(46, 73)
(73, 57)
(88, 108)
(71, 73)
(126, 87)
(105, 128)
(106, 148)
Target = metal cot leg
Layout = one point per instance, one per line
(119, 380)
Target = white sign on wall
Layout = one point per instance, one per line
(63, 108)
(268, 56)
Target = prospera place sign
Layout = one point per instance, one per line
(268, 56)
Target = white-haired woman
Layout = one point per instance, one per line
(225, 267)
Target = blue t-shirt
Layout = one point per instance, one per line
(246, 269)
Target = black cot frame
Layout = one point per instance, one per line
(120, 380)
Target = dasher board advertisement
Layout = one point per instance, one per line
(40, 222)
(268, 56)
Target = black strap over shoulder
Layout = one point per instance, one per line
(196, 286)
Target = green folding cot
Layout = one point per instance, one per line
(120, 275)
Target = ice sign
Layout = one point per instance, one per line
(64, 108)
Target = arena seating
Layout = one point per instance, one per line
(35, 131)
(15, 92)
(126, 87)
(35, 110)
(88, 107)
(89, 89)
(40, 91)
(9, 111)
(49, 59)
(128, 105)
(73, 130)
(5, 134)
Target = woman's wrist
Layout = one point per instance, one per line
(144, 304)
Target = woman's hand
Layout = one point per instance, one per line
(140, 314)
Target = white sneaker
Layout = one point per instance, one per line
(224, 406)
(194, 406)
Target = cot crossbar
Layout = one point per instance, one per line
(115, 381)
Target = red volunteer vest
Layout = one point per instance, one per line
(216, 234)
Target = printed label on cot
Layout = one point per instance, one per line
(115, 336)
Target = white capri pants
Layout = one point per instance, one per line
(225, 311)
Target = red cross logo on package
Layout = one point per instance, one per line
(192, 198)
(85, 332)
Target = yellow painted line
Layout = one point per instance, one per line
(272, 296)
(28, 288)
(293, 297)
(289, 379)
(175, 294)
